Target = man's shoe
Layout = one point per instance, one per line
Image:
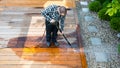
(48, 44)
(56, 43)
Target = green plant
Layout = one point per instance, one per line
(113, 7)
(119, 48)
(102, 15)
(95, 6)
(101, 1)
(115, 23)
(116, 15)
(104, 5)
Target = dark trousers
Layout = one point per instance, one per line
(51, 31)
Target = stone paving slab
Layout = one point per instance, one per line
(92, 29)
(95, 41)
(89, 19)
(100, 57)
(84, 3)
(85, 9)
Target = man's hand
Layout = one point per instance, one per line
(52, 21)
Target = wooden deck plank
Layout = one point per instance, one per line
(37, 3)
(22, 52)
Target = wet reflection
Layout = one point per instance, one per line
(30, 48)
(55, 56)
(40, 41)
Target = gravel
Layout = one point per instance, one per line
(108, 37)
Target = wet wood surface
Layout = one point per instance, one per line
(22, 32)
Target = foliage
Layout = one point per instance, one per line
(104, 5)
(101, 1)
(115, 23)
(95, 6)
(116, 15)
(102, 15)
(113, 7)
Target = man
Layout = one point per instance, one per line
(54, 16)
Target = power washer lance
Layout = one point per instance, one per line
(64, 36)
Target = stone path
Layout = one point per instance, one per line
(99, 53)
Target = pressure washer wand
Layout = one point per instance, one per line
(64, 36)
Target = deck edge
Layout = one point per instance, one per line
(82, 53)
